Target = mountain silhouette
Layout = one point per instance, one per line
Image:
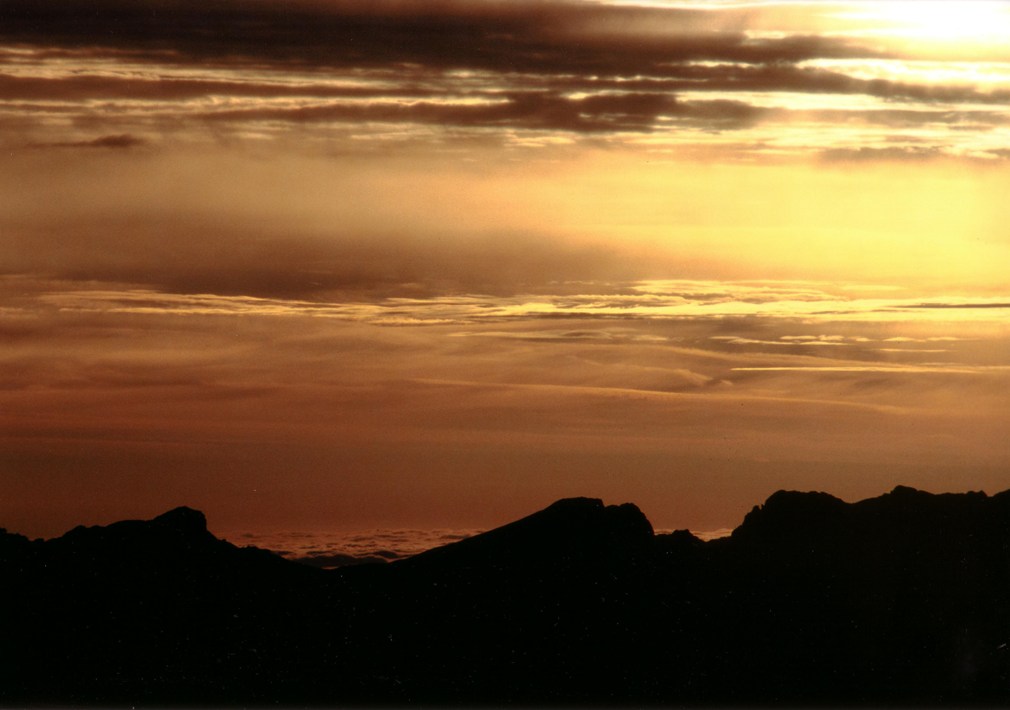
(570, 530)
(902, 599)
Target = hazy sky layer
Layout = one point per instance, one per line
(330, 265)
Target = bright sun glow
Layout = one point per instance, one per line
(944, 21)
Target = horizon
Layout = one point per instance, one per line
(334, 549)
(331, 549)
(434, 265)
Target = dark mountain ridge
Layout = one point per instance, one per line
(901, 599)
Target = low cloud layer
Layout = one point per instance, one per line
(330, 549)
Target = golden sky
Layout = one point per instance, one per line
(332, 264)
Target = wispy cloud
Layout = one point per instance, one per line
(642, 300)
(121, 141)
(905, 369)
(490, 71)
(424, 409)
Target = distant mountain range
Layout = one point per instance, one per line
(902, 599)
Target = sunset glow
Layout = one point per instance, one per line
(968, 23)
(345, 265)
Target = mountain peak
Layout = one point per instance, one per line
(183, 519)
(906, 492)
(570, 528)
(576, 503)
(585, 519)
(788, 513)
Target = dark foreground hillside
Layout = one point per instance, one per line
(901, 599)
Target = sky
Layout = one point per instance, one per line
(335, 264)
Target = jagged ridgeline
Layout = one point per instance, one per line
(901, 599)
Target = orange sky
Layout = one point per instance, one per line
(331, 265)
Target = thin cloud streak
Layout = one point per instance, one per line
(878, 368)
(678, 300)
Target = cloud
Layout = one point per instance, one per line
(341, 548)
(966, 303)
(629, 301)
(540, 110)
(556, 37)
(404, 260)
(868, 368)
(260, 409)
(287, 227)
(120, 141)
(875, 154)
(795, 341)
(333, 560)
(370, 75)
(72, 86)
(609, 335)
